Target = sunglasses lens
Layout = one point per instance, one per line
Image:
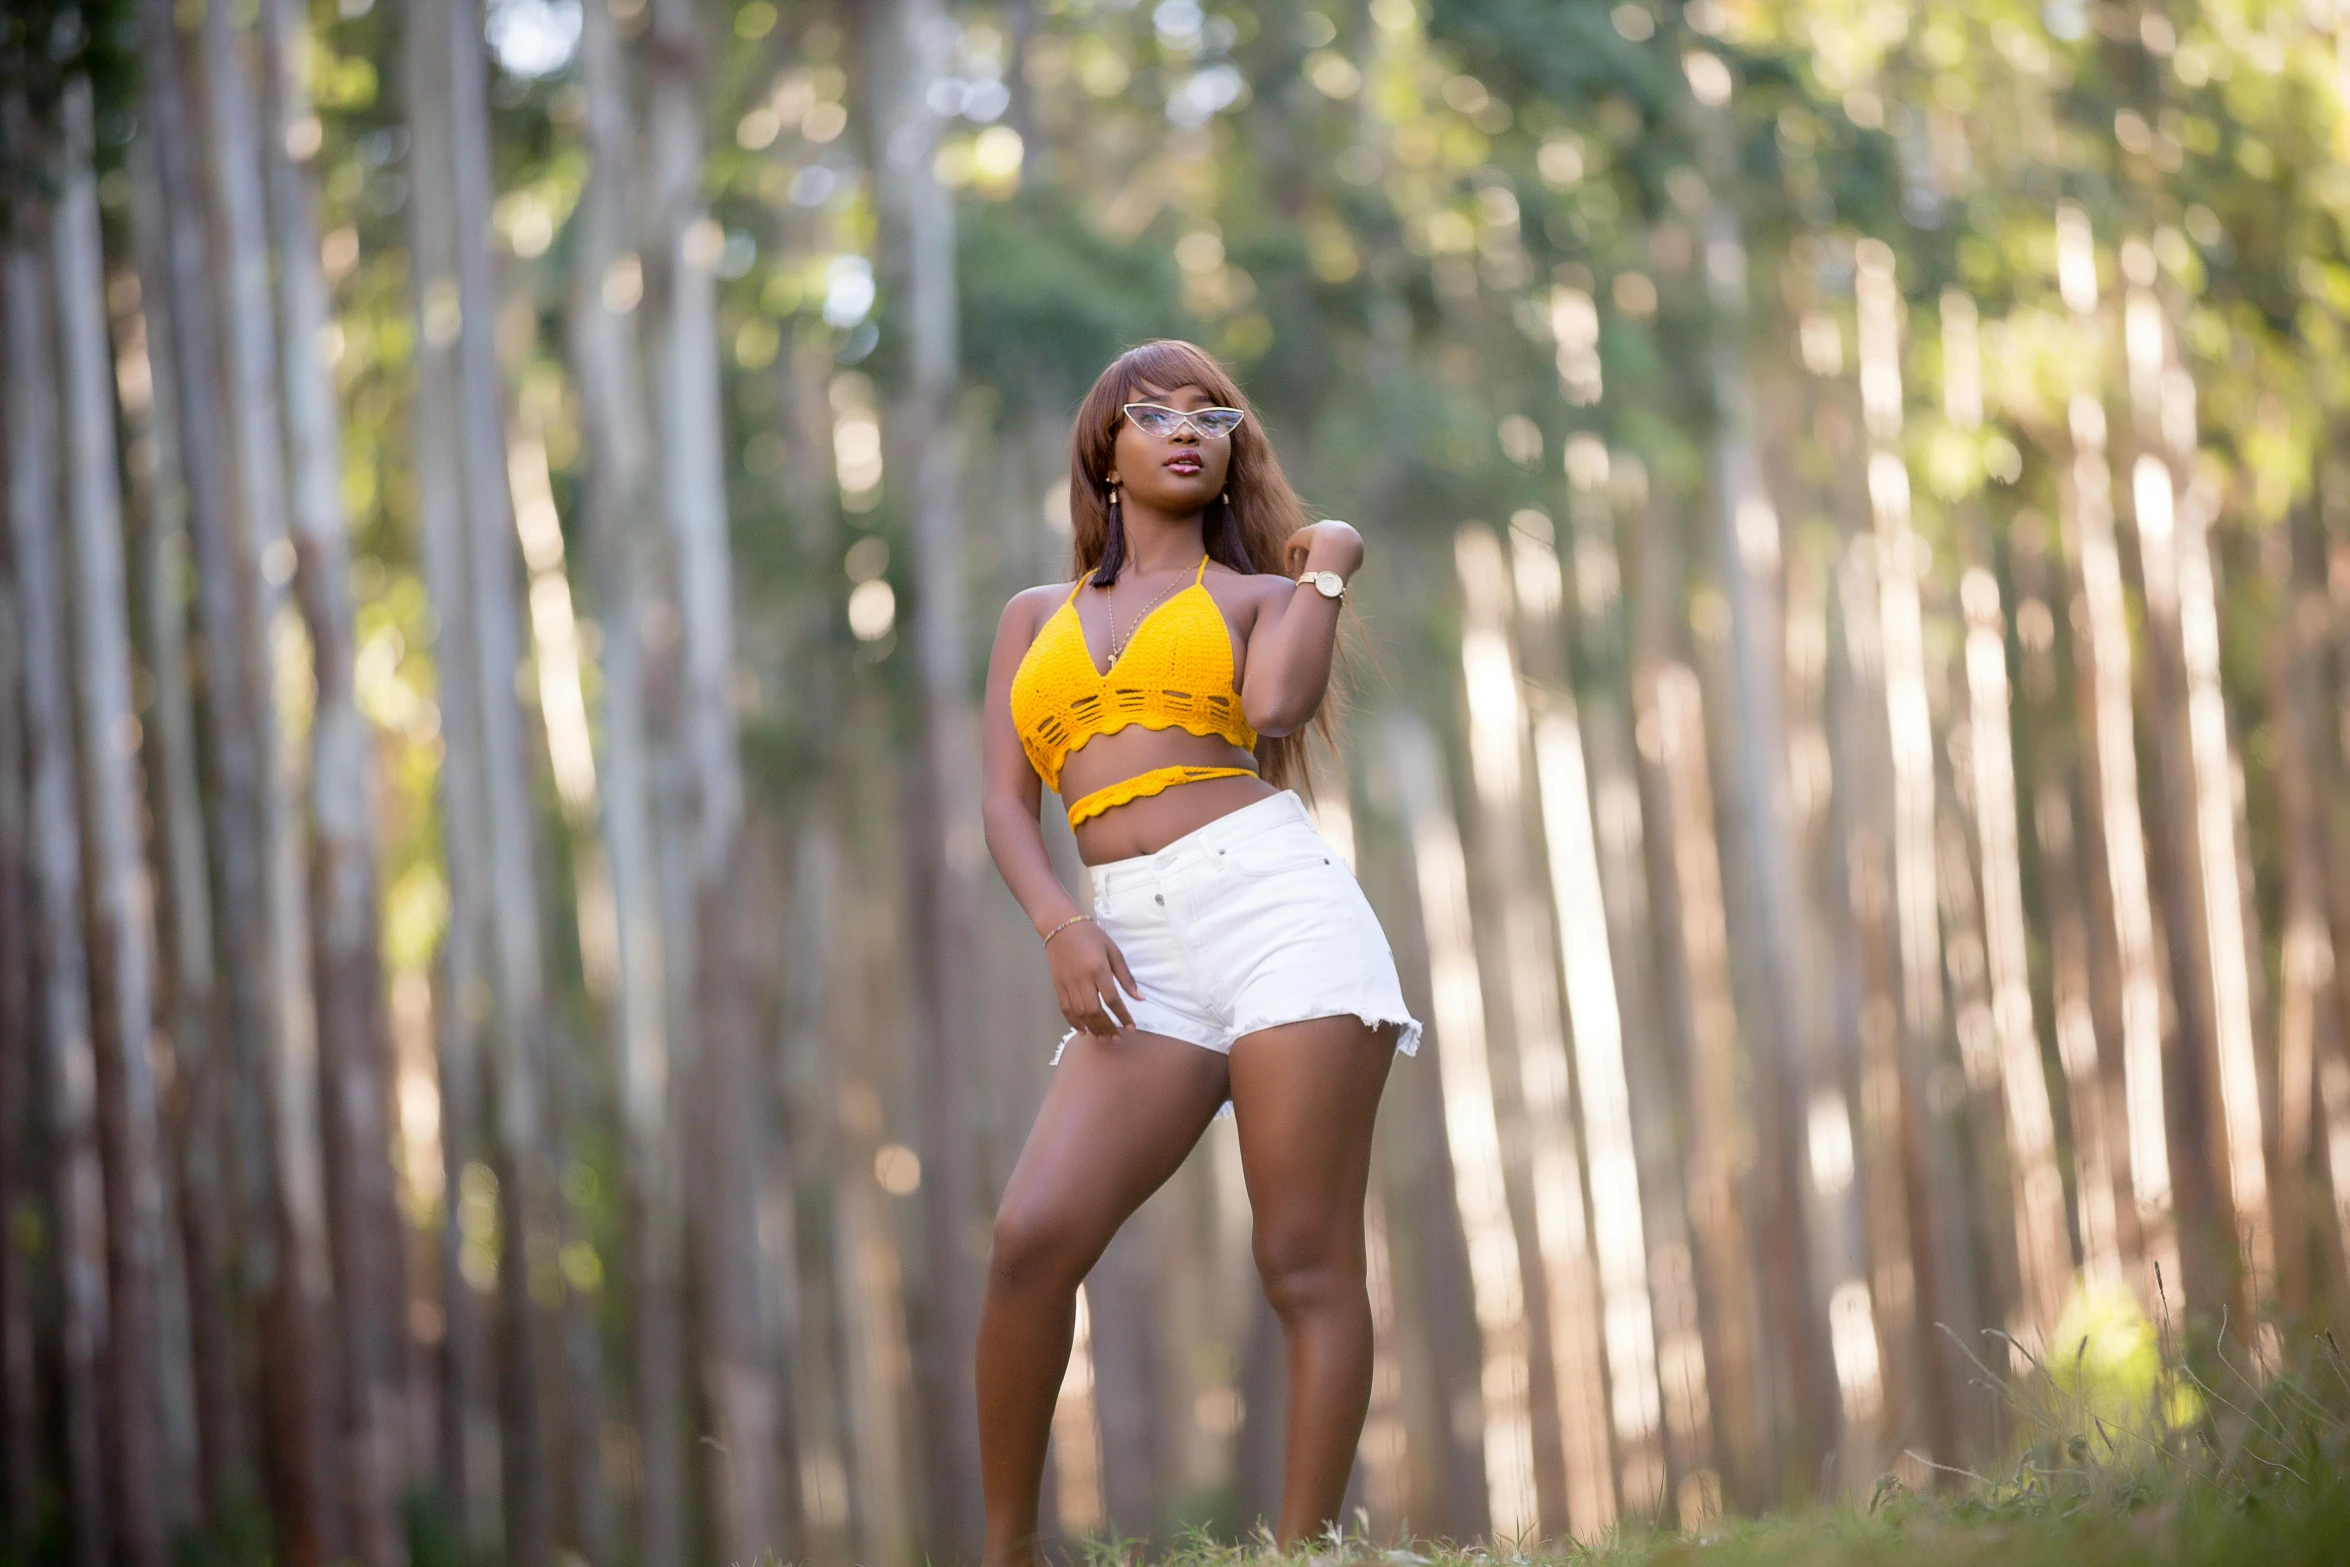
(1218, 421)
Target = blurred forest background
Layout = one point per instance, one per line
(508, 1037)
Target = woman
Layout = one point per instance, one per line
(1227, 955)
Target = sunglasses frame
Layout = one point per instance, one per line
(1183, 417)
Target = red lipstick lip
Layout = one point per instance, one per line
(1186, 462)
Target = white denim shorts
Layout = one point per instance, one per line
(1248, 923)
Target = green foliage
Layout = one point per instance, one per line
(44, 44)
(1048, 299)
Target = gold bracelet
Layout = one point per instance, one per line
(1073, 919)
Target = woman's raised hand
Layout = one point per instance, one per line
(1323, 546)
(1091, 980)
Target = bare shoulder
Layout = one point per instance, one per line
(1250, 589)
(1027, 610)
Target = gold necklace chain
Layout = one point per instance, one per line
(1110, 605)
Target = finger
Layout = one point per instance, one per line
(1115, 1002)
(1125, 974)
(1103, 1025)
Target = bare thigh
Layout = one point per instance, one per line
(1118, 1118)
(1307, 1098)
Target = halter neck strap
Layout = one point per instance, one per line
(1202, 574)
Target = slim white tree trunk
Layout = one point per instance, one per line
(2099, 1203)
(470, 1437)
(1789, 1040)
(1945, 1262)
(2044, 1253)
(234, 1218)
(2309, 1023)
(121, 916)
(912, 39)
(277, 1083)
(620, 522)
(20, 1413)
(1472, 1134)
(20, 1408)
(737, 1380)
(1578, 1295)
(2174, 514)
(354, 1075)
(1618, 832)
(2106, 672)
(1698, 940)
(470, 546)
(68, 1079)
(203, 1411)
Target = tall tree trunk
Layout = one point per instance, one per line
(1604, 672)
(20, 1415)
(354, 1076)
(1947, 1288)
(470, 1441)
(2104, 663)
(1746, 535)
(471, 567)
(910, 38)
(1699, 1024)
(2099, 1202)
(1870, 979)
(2310, 1019)
(284, 1229)
(876, 1344)
(619, 523)
(1472, 1134)
(1527, 1008)
(738, 1382)
(233, 1243)
(147, 1489)
(803, 1060)
(20, 1412)
(2044, 1255)
(2174, 515)
(68, 1076)
(189, 1000)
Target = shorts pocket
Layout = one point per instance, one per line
(1284, 857)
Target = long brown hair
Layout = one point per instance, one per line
(1244, 528)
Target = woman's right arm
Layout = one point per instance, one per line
(1087, 967)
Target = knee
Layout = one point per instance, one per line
(1308, 1270)
(1035, 1247)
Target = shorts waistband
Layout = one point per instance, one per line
(1204, 843)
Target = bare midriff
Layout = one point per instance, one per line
(1147, 825)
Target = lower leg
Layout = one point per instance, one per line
(1117, 1120)
(1024, 1333)
(1308, 1098)
(1326, 1327)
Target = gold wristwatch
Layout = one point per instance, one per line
(1327, 583)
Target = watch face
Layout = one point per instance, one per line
(1329, 584)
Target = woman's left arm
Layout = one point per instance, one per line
(1291, 644)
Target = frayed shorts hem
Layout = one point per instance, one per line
(1407, 1031)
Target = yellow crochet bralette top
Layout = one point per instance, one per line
(1175, 672)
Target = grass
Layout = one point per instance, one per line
(2122, 1455)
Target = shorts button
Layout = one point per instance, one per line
(1158, 897)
